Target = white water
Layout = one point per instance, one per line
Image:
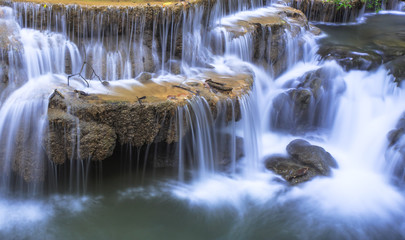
(358, 193)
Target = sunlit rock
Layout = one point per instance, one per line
(88, 125)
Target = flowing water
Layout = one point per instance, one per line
(245, 201)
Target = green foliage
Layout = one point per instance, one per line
(342, 3)
(370, 4)
(374, 4)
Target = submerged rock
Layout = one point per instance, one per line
(303, 163)
(350, 57)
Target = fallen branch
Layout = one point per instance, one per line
(184, 88)
(218, 86)
(56, 92)
(140, 100)
(93, 74)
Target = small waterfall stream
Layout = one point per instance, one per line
(215, 191)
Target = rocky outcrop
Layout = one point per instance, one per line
(272, 35)
(309, 103)
(328, 11)
(11, 52)
(303, 163)
(88, 126)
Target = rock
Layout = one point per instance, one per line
(95, 123)
(225, 154)
(328, 11)
(289, 170)
(271, 34)
(174, 67)
(350, 57)
(396, 68)
(144, 77)
(312, 156)
(303, 163)
(309, 102)
(395, 152)
(11, 53)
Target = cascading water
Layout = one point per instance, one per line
(312, 99)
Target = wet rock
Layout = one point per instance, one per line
(396, 68)
(309, 102)
(144, 77)
(271, 35)
(89, 126)
(350, 57)
(230, 149)
(303, 163)
(175, 67)
(11, 52)
(310, 155)
(328, 11)
(395, 152)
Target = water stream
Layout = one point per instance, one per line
(246, 201)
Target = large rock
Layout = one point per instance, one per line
(272, 35)
(303, 163)
(88, 126)
(309, 103)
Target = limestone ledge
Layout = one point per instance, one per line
(134, 115)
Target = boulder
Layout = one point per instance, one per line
(309, 102)
(303, 163)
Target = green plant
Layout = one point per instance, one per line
(370, 4)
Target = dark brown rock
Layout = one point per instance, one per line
(303, 163)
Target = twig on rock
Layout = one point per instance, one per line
(184, 88)
(140, 100)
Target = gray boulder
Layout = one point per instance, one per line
(303, 163)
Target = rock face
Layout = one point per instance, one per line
(11, 53)
(309, 102)
(304, 162)
(272, 36)
(89, 126)
(328, 11)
